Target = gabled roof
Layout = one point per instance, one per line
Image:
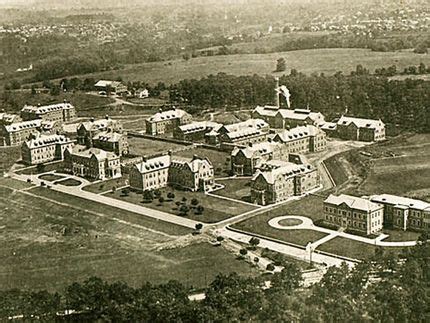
(401, 201)
(18, 126)
(167, 115)
(262, 148)
(99, 124)
(285, 171)
(47, 140)
(8, 117)
(109, 136)
(153, 164)
(244, 125)
(360, 123)
(353, 202)
(99, 154)
(298, 133)
(199, 126)
(47, 108)
(105, 83)
(193, 164)
(296, 114)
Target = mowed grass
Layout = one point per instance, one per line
(147, 147)
(105, 186)
(219, 159)
(239, 189)
(215, 209)
(327, 61)
(310, 206)
(8, 157)
(400, 235)
(54, 245)
(356, 249)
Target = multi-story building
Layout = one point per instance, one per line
(287, 118)
(111, 87)
(355, 213)
(195, 131)
(92, 163)
(16, 133)
(86, 131)
(241, 133)
(360, 129)
(281, 180)
(166, 121)
(111, 141)
(150, 174)
(246, 160)
(194, 174)
(61, 112)
(9, 118)
(45, 148)
(404, 213)
(302, 139)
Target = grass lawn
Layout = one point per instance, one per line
(50, 177)
(14, 183)
(399, 235)
(110, 211)
(8, 157)
(236, 188)
(326, 61)
(105, 186)
(147, 147)
(220, 160)
(215, 209)
(354, 249)
(54, 245)
(69, 182)
(336, 169)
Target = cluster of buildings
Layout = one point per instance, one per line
(370, 215)
(193, 174)
(166, 121)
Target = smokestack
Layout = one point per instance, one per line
(277, 92)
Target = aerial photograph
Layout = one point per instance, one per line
(215, 161)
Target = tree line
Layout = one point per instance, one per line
(401, 103)
(387, 288)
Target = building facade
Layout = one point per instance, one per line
(150, 174)
(166, 121)
(92, 163)
(61, 112)
(302, 139)
(111, 87)
(279, 181)
(404, 213)
(195, 131)
(287, 118)
(356, 213)
(16, 133)
(9, 118)
(359, 129)
(86, 131)
(193, 174)
(45, 148)
(111, 141)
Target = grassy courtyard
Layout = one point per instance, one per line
(147, 147)
(215, 209)
(50, 177)
(55, 245)
(236, 188)
(108, 185)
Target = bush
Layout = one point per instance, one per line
(270, 267)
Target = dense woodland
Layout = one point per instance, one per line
(386, 289)
(403, 103)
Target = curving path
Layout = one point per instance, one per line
(307, 224)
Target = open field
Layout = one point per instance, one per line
(215, 209)
(55, 245)
(147, 147)
(8, 157)
(220, 160)
(355, 249)
(109, 211)
(326, 61)
(235, 188)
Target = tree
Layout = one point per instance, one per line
(199, 226)
(161, 200)
(200, 209)
(194, 202)
(157, 193)
(170, 195)
(184, 199)
(254, 242)
(281, 65)
(148, 196)
(270, 267)
(183, 210)
(220, 238)
(243, 252)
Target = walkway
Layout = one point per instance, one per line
(307, 224)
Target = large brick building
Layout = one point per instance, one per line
(240, 134)
(193, 174)
(281, 180)
(245, 161)
(45, 148)
(150, 174)
(61, 112)
(111, 141)
(287, 118)
(355, 213)
(404, 213)
(86, 131)
(92, 163)
(359, 129)
(195, 131)
(302, 139)
(111, 87)
(166, 121)
(16, 133)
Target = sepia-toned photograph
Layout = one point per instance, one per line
(203, 161)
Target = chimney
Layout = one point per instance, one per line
(38, 105)
(278, 104)
(107, 117)
(92, 119)
(65, 101)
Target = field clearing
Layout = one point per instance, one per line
(147, 147)
(327, 61)
(215, 209)
(219, 159)
(55, 245)
(235, 188)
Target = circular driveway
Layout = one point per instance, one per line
(302, 222)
